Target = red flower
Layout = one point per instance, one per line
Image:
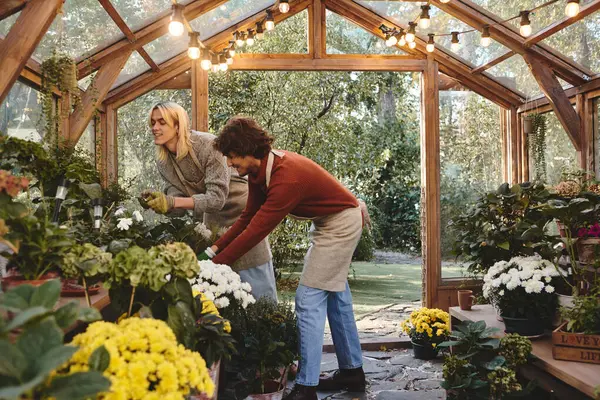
(594, 230)
(582, 232)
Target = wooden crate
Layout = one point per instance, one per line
(575, 346)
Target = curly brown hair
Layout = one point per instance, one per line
(243, 136)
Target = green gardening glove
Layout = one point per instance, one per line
(144, 197)
(207, 254)
(161, 203)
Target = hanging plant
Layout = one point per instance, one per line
(59, 72)
(537, 145)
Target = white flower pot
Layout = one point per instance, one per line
(563, 301)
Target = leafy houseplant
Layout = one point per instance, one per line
(267, 344)
(503, 224)
(146, 360)
(522, 290)
(86, 262)
(584, 316)
(31, 347)
(427, 328)
(482, 366)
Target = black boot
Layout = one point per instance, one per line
(352, 380)
(301, 392)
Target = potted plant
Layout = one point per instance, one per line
(427, 327)
(481, 366)
(87, 263)
(222, 285)
(146, 361)
(522, 290)
(31, 339)
(267, 344)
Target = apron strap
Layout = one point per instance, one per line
(270, 160)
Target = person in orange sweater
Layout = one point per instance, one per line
(284, 183)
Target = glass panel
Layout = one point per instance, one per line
(134, 67)
(278, 40)
(20, 113)
(85, 25)
(87, 141)
(7, 23)
(138, 13)
(85, 82)
(230, 13)
(470, 50)
(581, 41)
(515, 74)
(560, 154)
(345, 37)
(470, 159)
(137, 153)
(167, 47)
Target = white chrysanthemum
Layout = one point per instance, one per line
(203, 231)
(222, 284)
(550, 289)
(124, 223)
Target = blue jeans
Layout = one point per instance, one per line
(262, 280)
(312, 306)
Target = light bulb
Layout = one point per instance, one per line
(412, 45)
(391, 40)
(402, 40)
(176, 24)
(430, 47)
(486, 40)
(455, 47)
(260, 32)
(250, 41)
(194, 53)
(223, 64)
(205, 65)
(215, 67)
(444, 1)
(455, 42)
(525, 28)
(269, 22)
(284, 6)
(572, 8)
(232, 51)
(430, 44)
(229, 60)
(424, 19)
(410, 35)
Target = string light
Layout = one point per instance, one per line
(250, 39)
(431, 43)
(260, 32)
(269, 22)
(455, 42)
(525, 24)
(228, 58)
(223, 66)
(194, 46)
(239, 41)
(215, 63)
(572, 8)
(412, 45)
(205, 64)
(424, 19)
(390, 40)
(486, 39)
(402, 40)
(444, 1)
(410, 35)
(232, 48)
(176, 24)
(284, 6)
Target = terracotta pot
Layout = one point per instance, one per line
(465, 299)
(214, 375)
(11, 281)
(586, 250)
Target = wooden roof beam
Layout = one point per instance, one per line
(558, 99)
(116, 17)
(372, 21)
(83, 113)
(493, 62)
(477, 17)
(143, 36)
(23, 38)
(551, 29)
(10, 7)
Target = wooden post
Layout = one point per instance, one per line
(23, 38)
(585, 112)
(524, 150)
(316, 29)
(95, 94)
(514, 145)
(10, 7)
(430, 183)
(558, 99)
(112, 155)
(504, 129)
(101, 148)
(199, 97)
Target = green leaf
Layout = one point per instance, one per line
(46, 295)
(89, 314)
(181, 321)
(449, 343)
(478, 326)
(99, 359)
(67, 314)
(39, 339)
(15, 392)
(494, 363)
(17, 298)
(93, 190)
(25, 317)
(12, 361)
(478, 384)
(179, 289)
(78, 386)
(493, 343)
(53, 358)
(504, 245)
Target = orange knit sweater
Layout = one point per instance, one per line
(298, 186)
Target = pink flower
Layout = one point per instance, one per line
(582, 232)
(594, 230)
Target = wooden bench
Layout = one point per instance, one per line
(549, 373)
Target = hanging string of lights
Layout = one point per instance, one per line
(401, 37)
(215, 62)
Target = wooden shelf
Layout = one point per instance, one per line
(584, 377)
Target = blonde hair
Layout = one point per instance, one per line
(175, 116)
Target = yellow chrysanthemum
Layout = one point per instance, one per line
(426, 321)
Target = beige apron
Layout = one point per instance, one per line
(232, 209)
(333, 239)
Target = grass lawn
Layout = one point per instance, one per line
(375, 285)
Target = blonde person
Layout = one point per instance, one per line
(198, 179)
